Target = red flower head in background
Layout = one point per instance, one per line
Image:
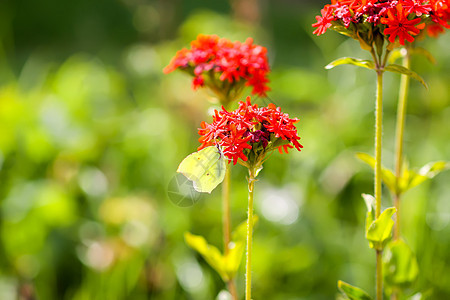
(364, 20)
(249, 132)
(224, 66)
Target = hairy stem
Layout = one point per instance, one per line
(248, 268)
(379, 275)
(378, 135)
(399, 132)
(226, 209)
(227, 225)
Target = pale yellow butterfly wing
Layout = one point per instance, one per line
(205, 168)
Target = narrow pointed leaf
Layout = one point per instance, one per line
(240, 233)
(352, 292)
(402, 70)
(396, 54)
(426, 172)
(387, 175)
(210, 253)
(368, 64)
(424, 52)
(401, 52)
(380, 230)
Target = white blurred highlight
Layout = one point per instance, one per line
(190, 275)
(281, 205)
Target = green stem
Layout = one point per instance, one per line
(227, 225)
(400, 129)
(248, 269)
(379, 275)
(378, 132)
(226, 209)
(378, 135)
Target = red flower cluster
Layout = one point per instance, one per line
(394, 18)
(232, 61)
(250, 129)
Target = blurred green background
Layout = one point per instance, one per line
(91, 134)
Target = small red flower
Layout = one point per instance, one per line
(324, 21)
(250, 128)
(398, 25)
(389, 18)
(417, 7)
(440, 14)
(233, 62)
(434, 30)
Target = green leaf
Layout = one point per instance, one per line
(368, 64)
(226, 265)
(401, 52)
(352, 292)
(387, 175)
(425, 53)
(426, 172)
(400, 265)
(236, 248)
(402, 70)
(380, 230)
(396, 54)
(240, 233)
(205, 168)
(370, 203)
(210, 253)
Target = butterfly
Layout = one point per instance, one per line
(205, 168)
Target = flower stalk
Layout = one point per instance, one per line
(226, 215)
(248, 265)
(378, 147)
(226, 210)
(379, 68)
(248, 135)
(378, 142)
(399, 133)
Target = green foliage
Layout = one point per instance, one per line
(370, 216)
(226, 265)
(379, 230)
(351, 292)
(210, 253)
(387, 175)
(205, 168)
(401, 52)
(92, 131)
(400, 265)
(368, 64)
(409, 178)
(402, 70)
